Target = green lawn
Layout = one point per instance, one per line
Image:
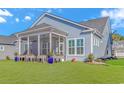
(61, 73)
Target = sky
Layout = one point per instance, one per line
(14, 20)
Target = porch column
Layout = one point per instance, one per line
(38, 45)
(66, 48)
(28, 45)
(19, 40)
(50, 41)
(59, 44)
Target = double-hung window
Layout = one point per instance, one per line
(76, 46)
(80, 46)
(71, 47)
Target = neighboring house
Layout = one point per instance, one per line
(118, 48)
(66, 38)
(8, 46)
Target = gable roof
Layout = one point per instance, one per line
(60, 18)
(7, 40)
(98, 24)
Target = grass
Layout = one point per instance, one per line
(61, 73)
(119, 62)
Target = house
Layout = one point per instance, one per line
(66, 38)
(118, 49)
(7, 46)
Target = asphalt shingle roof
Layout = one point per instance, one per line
(7, 39)
(98, 23)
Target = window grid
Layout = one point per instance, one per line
(76, 46)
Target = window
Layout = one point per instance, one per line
(1, 48)
(80, 46)
(76, 46)
(96, 42)
(71, 46)
(45, 48)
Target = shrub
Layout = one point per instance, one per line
(50, 53)
(99, 60)
(7, 58)
(16, 53)
(90, 57)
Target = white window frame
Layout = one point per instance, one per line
(79, 46)
(2, 48)
(96, 42)
(75, 39)
(71, 47)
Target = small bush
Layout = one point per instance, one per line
(7, 58)
(50, 53)
(90, 57)
(99, 60)
(16, 53)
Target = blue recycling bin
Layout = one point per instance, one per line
(16, 59)
(50, 60)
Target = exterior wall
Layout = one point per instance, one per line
(105, 43)
(73, 32)
(97, 45)
(87, 48)
(63, 26)
(9, 50)
(118, 49)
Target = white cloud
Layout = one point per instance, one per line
(117, 17)
(4, 12)
(28, 18)
(2, 20)
(49, 10)
(17, 20)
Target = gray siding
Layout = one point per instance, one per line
(105, 43)
(9, 50)
(87, 47)
(73, 32)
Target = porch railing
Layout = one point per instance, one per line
(41, 58)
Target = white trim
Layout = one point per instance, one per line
(19, 39)
(38, 19)
(50, 41)
(35, 34)
(59, 44)
(34, 30)
(58, 34)
(66, 48)
(76, 47)
(60, 19)
(28, 45)
(38, 45)
(91, 43)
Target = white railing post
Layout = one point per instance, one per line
(38, 45)
(59, 44)
(50, 41)
(19, 40)
(28, 45)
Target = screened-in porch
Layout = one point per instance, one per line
(42, 40)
